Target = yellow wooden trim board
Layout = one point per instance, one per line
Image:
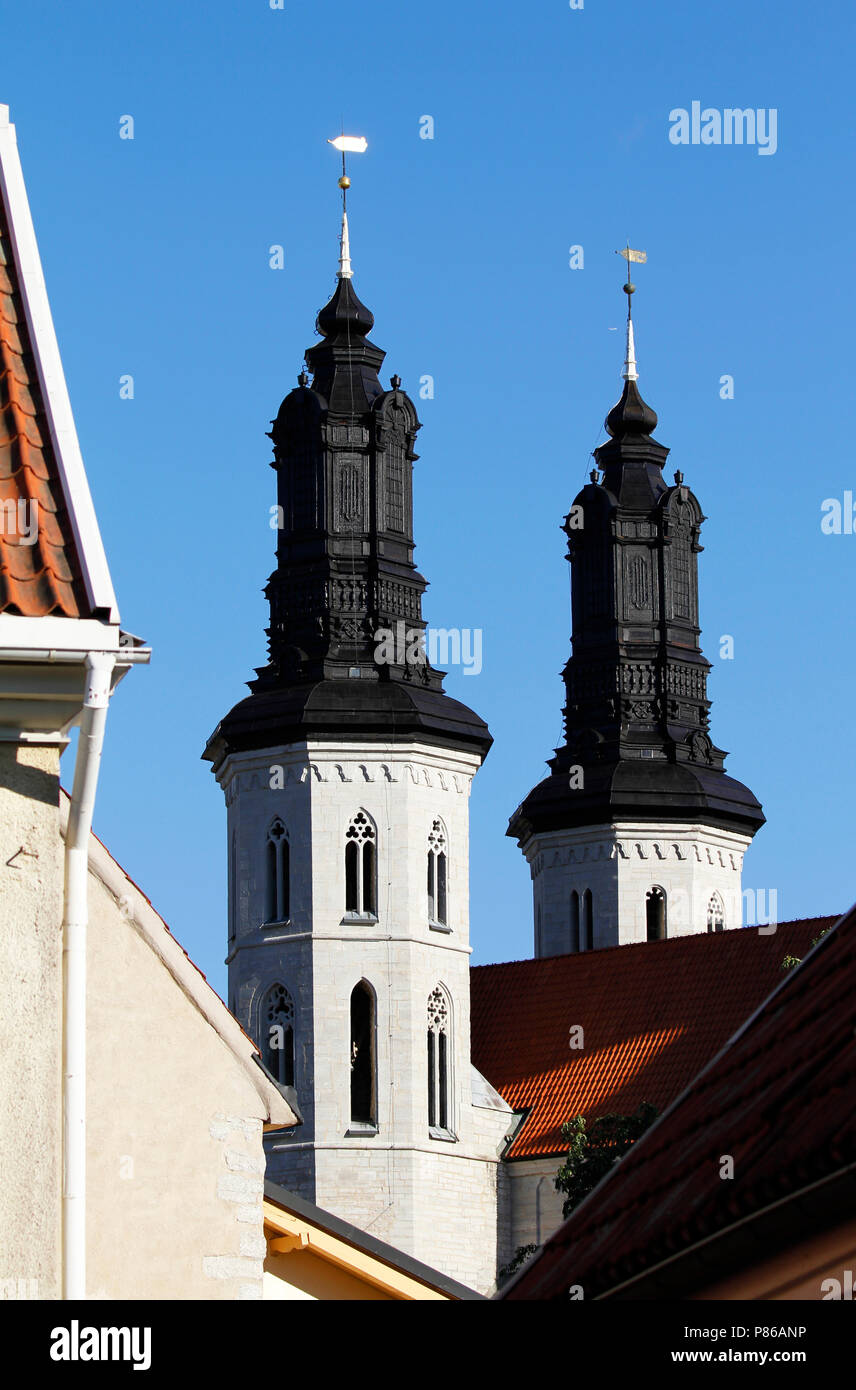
(287, 1232)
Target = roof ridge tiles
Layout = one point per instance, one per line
(652, 1019)
(537, 961)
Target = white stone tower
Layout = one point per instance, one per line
(347, 777)
(638, 833)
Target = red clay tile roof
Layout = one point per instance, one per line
(45, 577)
(779, 1098)
(653, 1015)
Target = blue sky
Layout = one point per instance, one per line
(551, 130)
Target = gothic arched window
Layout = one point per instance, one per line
(715, 914)
(437, 874)
(362, 1059)
(277, 873)
(277, 1034)
(655, 914)
(575, 922)
(361, 866)
(439, 1061)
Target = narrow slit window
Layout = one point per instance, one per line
(655, 913)
(575, 922)
(437, 865)
(439, 1062)
(270, 880)
(277, 874)
(363, 1087)
(588, 923)
(233, 888)
(432, 1089)
(369, 877)
(352, 877)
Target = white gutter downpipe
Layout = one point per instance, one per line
(99, 671)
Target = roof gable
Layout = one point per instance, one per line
(62, 571)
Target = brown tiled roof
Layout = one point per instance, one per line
(779, 1098)
(652, 1015)
(45, 577)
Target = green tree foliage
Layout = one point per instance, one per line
(790, 961)
(592, 1150)
(591, 1154)
(521, 1257)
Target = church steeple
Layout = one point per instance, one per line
(637, 715)
(347, 776)
(345, 574)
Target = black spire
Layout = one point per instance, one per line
(346, 363)
(637, 716)
(343, 456)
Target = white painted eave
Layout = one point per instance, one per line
(43, 672)
(19, 634)
(66, 447)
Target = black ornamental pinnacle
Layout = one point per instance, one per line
(637, 717)
(343, 456)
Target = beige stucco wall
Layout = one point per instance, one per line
(31, 879)
(175, 1159)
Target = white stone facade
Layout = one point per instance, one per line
(697, 868)
(398, 1180)
(535, 1205)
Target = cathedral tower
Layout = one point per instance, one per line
(347, 774)
(638, 833)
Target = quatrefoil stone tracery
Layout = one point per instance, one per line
(280, 1007)
(438, 1012)
(437, 838)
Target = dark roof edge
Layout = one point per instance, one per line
(819, 1205)
(288, 1093)
(352, 1235)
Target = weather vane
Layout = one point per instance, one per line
(630, 256)
(346, 144)
(639, 257)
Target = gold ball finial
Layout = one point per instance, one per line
(344, 181)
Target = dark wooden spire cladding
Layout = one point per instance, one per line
(637, 717)
(343, 456)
